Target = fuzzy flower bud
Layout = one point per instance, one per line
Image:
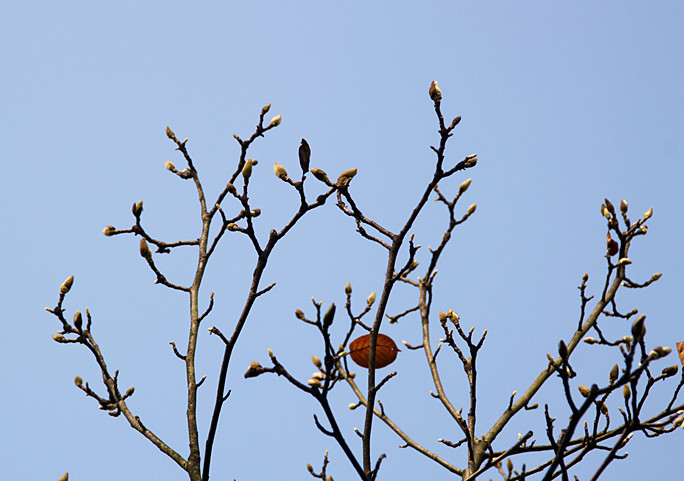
(648, 214)
(78, 320)
(612, 377)
(137, 208)
(320, 175)
(78, 380)
(314, 382)
(625, 261)
(626, 391)
(279, 171)
(464, 186)
(623, 206)
(66, 285)
(254, 370)
(317, 362)
(109, 230)
(434, 91)
(471, 209)
(170, 134)
(656, 276)
(670, 371)
(58, 338)
(266, 108)
(584, 390)
(275, 121)
(346, 177)
(170, 166)
(145, 250)
(371, 299)
(247, 169)
(348, 288)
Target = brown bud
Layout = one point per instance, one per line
(230, 188)
(109, 230)
(266, 108)
(585, 277)
(170, 134)
(670, 371)
(304, 155)
(58, 338)
(129, 392)
(638, 328)
(626, 392)
(320, 175)
(255, 212)
(328, 316)
(435, 92)
(471, 160)
(65, 477)
(609, 206)
(648, 214)
(614, 374)
(78, 320)
(317, 362)
(145, 250)
(313, 382)
(656, 276)
(254, 370)
(604, 212)
(471, 209)
(348, 288)
(346, 177)
(371, 299)
(584, 390)
(300, 314)
(603, 408)
(612, 245)
(170, 167)
(66, 285)
(137, 208)
(78, 380)
(623, 206)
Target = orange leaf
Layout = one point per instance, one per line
(385, 351)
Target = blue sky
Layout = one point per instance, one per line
(564, 105)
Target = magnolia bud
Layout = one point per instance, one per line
(328, 316)
(78, 320)
(626, 392)
(660, 351)
(434, 91)
(471, 160)
(590, 340)
(464, 186)
(371, 299)
(317, 362)
(137, 208)
(638, 328)
(472, 208)
(623, 206)
(656, 276)
(230, 188)
(78, 380)
(585, 277)
(348, 288)
(66, 285)
(65, 477)
(247, 169)
(145, 250)
(604, 212)
(563, 350)
(308, 466)
(255, 212)
(670, 371)
(612, 245)
(254, 370)
(314, 382)
(266, 108)
(609, 206)
(318, 375)
(625, 261)
(170, 134)
(304, 155)
(169, 166)
(130, 392)
(584, 390)
(279, 171)
(346, 177)
(614, 374)
(109, 230)
(320, 175)
(603, 408)
(442, 316)
(648, 214)
(58, 338)
(275, 121)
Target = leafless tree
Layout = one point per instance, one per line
(588, 429)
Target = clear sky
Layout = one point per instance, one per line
(564, 103)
